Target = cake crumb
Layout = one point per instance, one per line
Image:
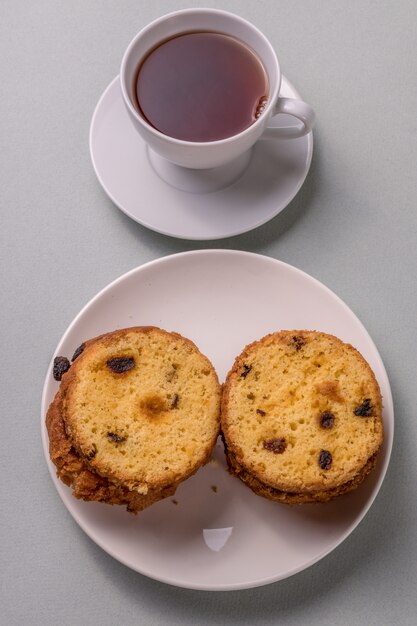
(214, 488)
(174, 501)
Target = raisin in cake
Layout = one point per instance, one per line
(136, 413)
(301, 417)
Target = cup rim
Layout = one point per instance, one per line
(182, 142)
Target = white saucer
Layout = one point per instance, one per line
(227, 537)
(276, 172)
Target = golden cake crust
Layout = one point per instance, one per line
(261, 489)
(301, 414)
(86, 484)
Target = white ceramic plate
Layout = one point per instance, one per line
(227, 537)
(275, 174)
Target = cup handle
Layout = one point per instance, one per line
(298, 109)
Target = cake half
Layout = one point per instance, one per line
(301, 417)
(135, 415)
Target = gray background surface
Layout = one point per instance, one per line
(353, 226)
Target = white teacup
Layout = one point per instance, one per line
(213, 154)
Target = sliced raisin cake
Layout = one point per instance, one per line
(136, 413)
(301, 417)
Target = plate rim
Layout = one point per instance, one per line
(161, 231)
(388, 443)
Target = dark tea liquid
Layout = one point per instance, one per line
(201, 87)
